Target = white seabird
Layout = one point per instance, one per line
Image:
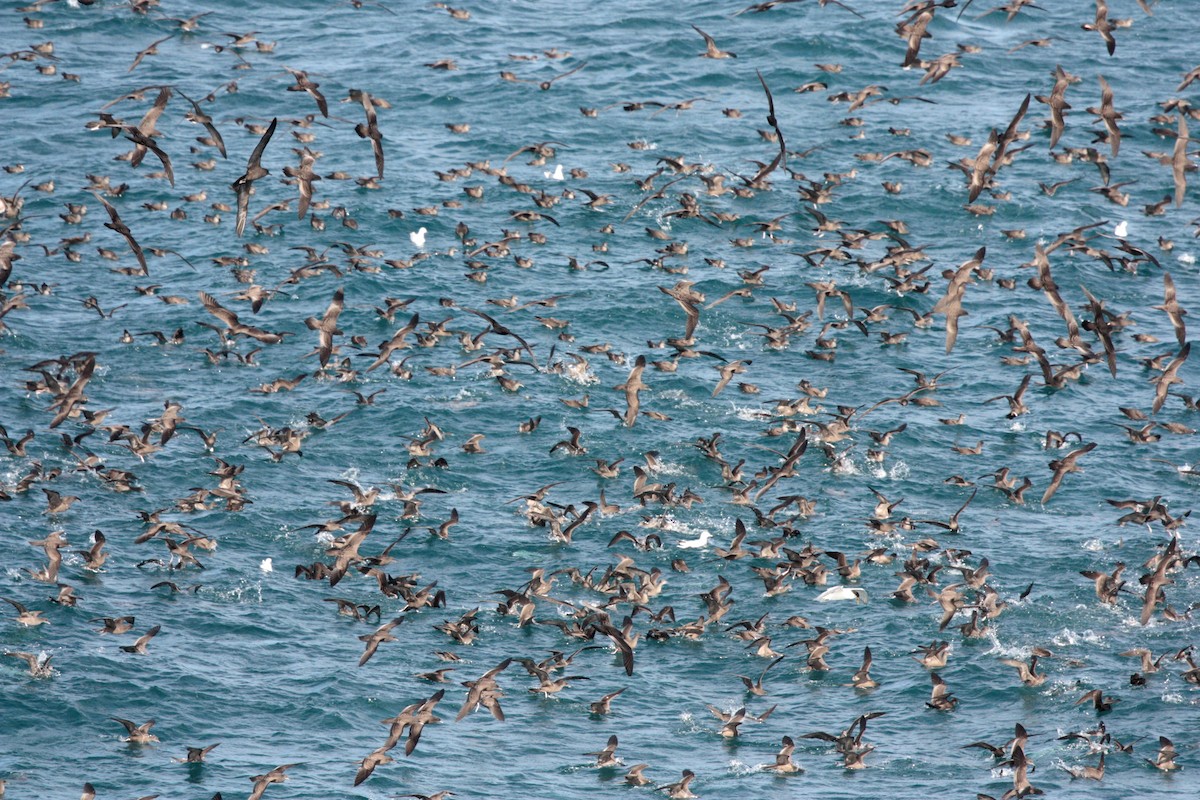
(843, 593)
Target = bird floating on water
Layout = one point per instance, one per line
(842, 593)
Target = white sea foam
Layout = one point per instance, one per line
(1004, 650)
(690, 725)
(668, 468)
(679, 397)
(1062, 687)
(844, 466)
(245, 592)
(579, 373)
(1069, 638)
(749, 413)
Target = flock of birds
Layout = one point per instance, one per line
(518, 354)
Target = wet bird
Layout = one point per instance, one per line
(755, 686)
(1020, 775)
(1165, 758)
(57, 503)
(138, 734)
(680, 790)
(39, 666)
(941, 699)
(606, 758)
(862, 678)
(196, 755)
(604, 704)
(1095, 773)
(1107, 586)
(933, 656)
(1016, 401)
(115, 625)
(1099, 701)
(634, 776)
(951, 525)
(1028, 671)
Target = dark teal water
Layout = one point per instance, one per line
(258, 661)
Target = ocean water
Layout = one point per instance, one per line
(258, 660)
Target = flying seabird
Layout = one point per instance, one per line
(254, 170)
